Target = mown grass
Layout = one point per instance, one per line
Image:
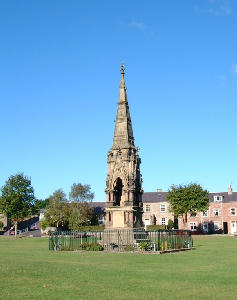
(29, 271)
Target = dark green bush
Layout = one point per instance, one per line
(65, 248)
(129, 248)
(156, 227)
(83, 246)
(145, 246)
(90, 247)
(91, 228)
(170, 224)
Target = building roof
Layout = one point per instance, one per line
(98, 207)
(152, 197)
(226, 197)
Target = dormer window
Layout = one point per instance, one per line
(218, 198)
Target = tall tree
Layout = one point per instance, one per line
(57, 212)
(81, 193)
(184, 199)
(81, 211)
(17, 198)
(41, 204)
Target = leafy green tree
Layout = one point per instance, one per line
(75, 219)
(41, 204)
(58, 210)
(81, 211)
(17, 198)
(81, 193)
(184, 199)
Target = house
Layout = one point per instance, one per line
(156, 208)
(221, 217)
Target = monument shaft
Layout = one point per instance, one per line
(124, 182)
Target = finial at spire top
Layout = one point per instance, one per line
(122, 68)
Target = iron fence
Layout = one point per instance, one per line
(122, 239)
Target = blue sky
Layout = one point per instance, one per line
(59, 79)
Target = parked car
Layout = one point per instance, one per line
(12, 232)
(34, 226)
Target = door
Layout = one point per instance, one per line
(233, 227)
(147, 222)
(225, 227)
(205, 227)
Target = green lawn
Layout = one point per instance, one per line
(29, 271)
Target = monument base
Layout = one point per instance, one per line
(117, 239)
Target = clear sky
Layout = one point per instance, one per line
(59, 84)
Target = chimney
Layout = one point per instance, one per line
(230, 190)
(159, 190)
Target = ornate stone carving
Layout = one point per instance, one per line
(124, 180)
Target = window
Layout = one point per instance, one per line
(216, 212)
(205, 213)
(193, 214)
(162, 208)
(232, 211)
(193, 226)
(205, 227)
(163, 221)
(148, 208)
(216, 226)
(217, 198)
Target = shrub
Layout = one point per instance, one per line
(83, 246)
(145, 246)
(90, 247)
(44, 224)
(156, 227)
(65, 248)
(129, 248)
(91, 228)
(94, 247)
(165, 245)
(170, 224)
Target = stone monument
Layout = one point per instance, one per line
(124, 183)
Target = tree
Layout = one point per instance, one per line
(57, 212)
(81, 193)
(41, 204)
(17, 198)
(75, 219)
(81, 212)
(184, 199)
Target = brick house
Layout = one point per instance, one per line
(156, 208)
(221, 217)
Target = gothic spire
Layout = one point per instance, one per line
(123, 133)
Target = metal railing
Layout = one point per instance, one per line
(122, 240)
